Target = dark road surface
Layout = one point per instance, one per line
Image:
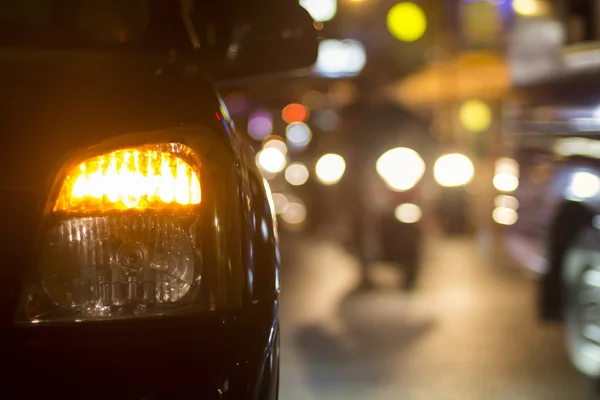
(469, 332)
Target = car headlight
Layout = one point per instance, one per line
(400, 168)
(138, 179)
(124, 234)
(452, 170)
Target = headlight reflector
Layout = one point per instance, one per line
(140, 178)
(123, 238)
(117, 265)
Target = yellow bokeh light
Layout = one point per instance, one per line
(526, 7)
(407, 21)
(475, 115)
(129, 179)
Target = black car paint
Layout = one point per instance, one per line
(55, 105)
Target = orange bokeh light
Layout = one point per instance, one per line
(294, 113)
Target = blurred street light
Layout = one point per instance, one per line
(298, 134)
(294, 113)
(294, 214)
(280, 202)
(584, 185)
(400, 168)
(320, 10)
(506, 176)
(505, 182)
(503, 200)
(408, 213)
(407, 21)
(260, 124)
(505, 216)
(275, 142)
(340, 58)
(529, 7)
(475, 115)
(453, 170)
(296, 174)
(330, 168)
(271, 160)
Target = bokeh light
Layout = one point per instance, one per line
(340, 58)
(271, 160)
(260, 124)
(503, 200)
(453, 170)
(506, 182)
(407, 21)
(280, 202)
(326, 120)
(528, 7)
(296, 174)
(275, 142)
(408, 213)
(505, 216)
(320, 10)
(295, 213)
(584, 185)
(330, 168)
(400, 168)
(298, 134)
(475, 115)
(506, 176)
(294, 113)
(508, 166)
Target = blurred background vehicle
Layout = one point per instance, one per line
(552, 120)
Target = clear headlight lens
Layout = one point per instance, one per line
(123, 238)
(146, 178)
(98, 265)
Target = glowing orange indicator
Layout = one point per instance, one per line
(294, 113)
(129, 179)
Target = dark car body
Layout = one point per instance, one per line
(56, 104)
(87, 79)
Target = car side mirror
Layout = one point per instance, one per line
(278, 41)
